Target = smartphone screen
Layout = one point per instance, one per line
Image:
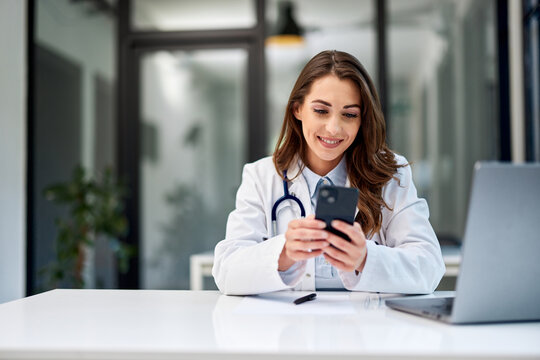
(336, 203)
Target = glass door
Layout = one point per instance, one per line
(193, 144)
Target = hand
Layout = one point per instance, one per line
(345, 255)
(304, 239)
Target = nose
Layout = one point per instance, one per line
(333, 126)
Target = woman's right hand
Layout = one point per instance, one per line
(304, 239)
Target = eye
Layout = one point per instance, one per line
(320, 111)
(350, 115)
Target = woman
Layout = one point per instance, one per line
(333, 132)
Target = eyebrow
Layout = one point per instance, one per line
(330, 105)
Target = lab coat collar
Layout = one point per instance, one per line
(298, 186)
(294, 170)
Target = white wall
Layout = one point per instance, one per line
(12, 149)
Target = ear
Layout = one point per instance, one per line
(296, 111)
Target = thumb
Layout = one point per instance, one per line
(310, 217)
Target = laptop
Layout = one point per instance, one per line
(499, 278)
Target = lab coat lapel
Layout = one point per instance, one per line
(289, 210)
(299, 188)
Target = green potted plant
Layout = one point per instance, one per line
(96, 209)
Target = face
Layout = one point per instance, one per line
(330, 116)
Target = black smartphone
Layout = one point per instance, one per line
(336, 203)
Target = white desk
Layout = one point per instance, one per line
(138, 324)
(201, 265)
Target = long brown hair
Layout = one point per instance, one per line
(370, 163)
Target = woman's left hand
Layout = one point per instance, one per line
(345, 255)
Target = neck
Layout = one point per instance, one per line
(321, 167)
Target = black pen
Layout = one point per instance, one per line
(303, 299)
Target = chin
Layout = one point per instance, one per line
(330, 157)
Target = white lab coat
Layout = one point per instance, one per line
(404, 257)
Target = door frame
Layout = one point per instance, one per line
(131, 46)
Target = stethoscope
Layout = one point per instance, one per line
(286, 196)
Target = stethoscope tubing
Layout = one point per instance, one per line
(286, 196)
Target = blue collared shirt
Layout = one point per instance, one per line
(326, 276)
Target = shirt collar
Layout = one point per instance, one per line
(338, 175)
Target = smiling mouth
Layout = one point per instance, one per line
(329, 141)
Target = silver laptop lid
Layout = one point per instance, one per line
(499, 276)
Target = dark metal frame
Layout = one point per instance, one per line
(30, 36)
(530, 12)
(131, 46)
(382, 63)
(504, 81)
